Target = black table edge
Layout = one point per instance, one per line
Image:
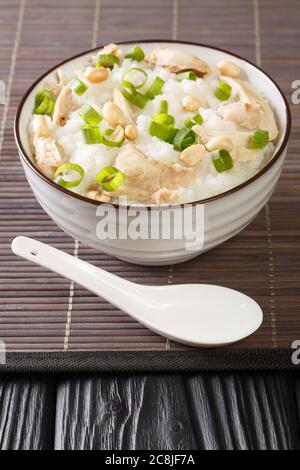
(150, 361)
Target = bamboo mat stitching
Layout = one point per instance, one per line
(175, 19)
(96, 23)
(171, 273)
(271, 278)
(267, 210)
(76, 242)
(12, 71)
(70, 305)
(272, 272)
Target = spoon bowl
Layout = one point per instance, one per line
(194, 314)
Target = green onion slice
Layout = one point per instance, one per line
(69, 167)
(189, 123)
(184, 138)
(162, 131)
(223, 91)
(222, 160)
(138, 99)
(110, 178)
(155, 89)
(91, 135)
(162, 118)
(78, 86)
(189, 75)
(197, 119)
(135, 54)
(90, 115)
(135, 97)
(134, 76)
(44, 103)
(107, 60)
(260, 139)
(163, 106)
(114, 140)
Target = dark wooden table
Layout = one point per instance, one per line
(156, 412)
(253, 410)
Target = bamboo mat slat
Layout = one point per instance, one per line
(40, 311)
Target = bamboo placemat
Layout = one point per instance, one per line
(43, 312)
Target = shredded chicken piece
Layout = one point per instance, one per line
(111, 49)
(177, 61)
(65, 103)
(165, 196)
(146, 176)
(238, 138)
(41, 126)
(47, 156)
(55, 85)
(246, 115)
(124, 106)
(247, 95)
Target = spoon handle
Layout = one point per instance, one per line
(100, 282)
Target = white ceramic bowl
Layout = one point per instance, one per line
(224, 215)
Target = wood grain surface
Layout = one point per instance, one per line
(40, 311)
(151, 412)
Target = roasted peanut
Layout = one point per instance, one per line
(131, 132)
(228, 68)
(113, 114)
(193, 154)
(190, 103)
(97, 75)
(220, 142)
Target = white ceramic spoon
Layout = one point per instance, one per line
(193, 314)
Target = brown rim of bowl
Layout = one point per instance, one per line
(275, 157)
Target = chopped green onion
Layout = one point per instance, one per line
(133, 74)
(163, 106)
(140, 100)
(90, 115)
(189, 123)
(113, 142)
(107, 60)
(91, 135)
(162, 131)
(65, 167)
(78, 86)
(223, 91)
(163, 118)
(44, 103)
(135, 54)
(135, 97)
(155, 88)
(222, 160)
(260, 139)
(110, 178)
(197, 119)
(184, 138)
(189, 75)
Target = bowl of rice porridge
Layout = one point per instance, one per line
(155, 151)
